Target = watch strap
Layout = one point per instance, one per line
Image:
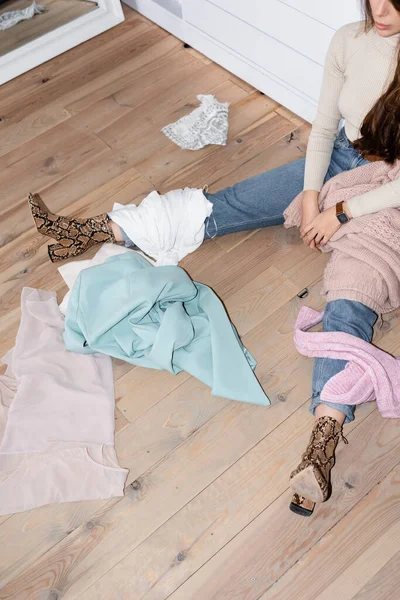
(339, 208)
(340, 214)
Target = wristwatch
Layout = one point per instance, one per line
(340, 214)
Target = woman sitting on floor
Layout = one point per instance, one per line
(361, 85)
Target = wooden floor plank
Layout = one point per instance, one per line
(208, 522)
(202, 58)
(244, 112)
(178, 97)
(249, 144)
(33, 79)
(286, 149)
(27, 535)
(31, 126)
(141, 389)
(254, 560)
(350, 554)
(385, 584)
(120, 420)
(146, 87)
(281, 110)
(39, 163)
(233, 240)
(253, 256)
(259, 299)
(64, 76)
(191, 537)
(368, 563)
(145, 60)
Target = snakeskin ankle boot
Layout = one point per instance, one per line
(74, 236)
(312, 478)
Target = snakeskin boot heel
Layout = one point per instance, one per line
(74, 236)
(312, 478)
(302, 506)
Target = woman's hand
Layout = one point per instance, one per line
(321, 228)
(309, 213)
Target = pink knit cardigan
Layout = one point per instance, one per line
(365, 260)
(370, 374)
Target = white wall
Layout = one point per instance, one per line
(335, 13)
(278, 46)
(173, 6)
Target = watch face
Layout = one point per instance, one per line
(342, 217)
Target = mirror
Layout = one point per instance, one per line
(33, 31)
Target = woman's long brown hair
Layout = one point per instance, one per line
(380, 131)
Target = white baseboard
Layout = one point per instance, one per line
(269, 84)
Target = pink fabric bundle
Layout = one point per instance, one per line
(370, 374)
(56, 416)
(365, 261)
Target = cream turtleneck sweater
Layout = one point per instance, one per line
(359, 67)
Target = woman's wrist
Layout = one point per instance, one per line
(310, 196)
(347, 210)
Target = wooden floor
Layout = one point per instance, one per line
(58, 12)
(205, 515)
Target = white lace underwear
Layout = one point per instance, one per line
(207, 124)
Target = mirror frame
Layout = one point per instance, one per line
(108, 14)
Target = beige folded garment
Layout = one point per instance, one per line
(56, 416)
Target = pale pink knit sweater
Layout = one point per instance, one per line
(365, 261)
(370, 374)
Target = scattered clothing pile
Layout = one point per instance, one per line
(166, 227)
(56, 416)
(365, 261)
(159, 318)
(57, 396)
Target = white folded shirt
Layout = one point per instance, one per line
(166, 227)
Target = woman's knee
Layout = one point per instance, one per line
(349, 316)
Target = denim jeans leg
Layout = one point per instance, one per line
(261, 201)
(344, 157)
(349, 317)
(256, 202)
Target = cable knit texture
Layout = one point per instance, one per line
(365, 261)
(370, 374)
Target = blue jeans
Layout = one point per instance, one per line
(260, 202)
(349, 317)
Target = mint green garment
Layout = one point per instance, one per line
(157, 317)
